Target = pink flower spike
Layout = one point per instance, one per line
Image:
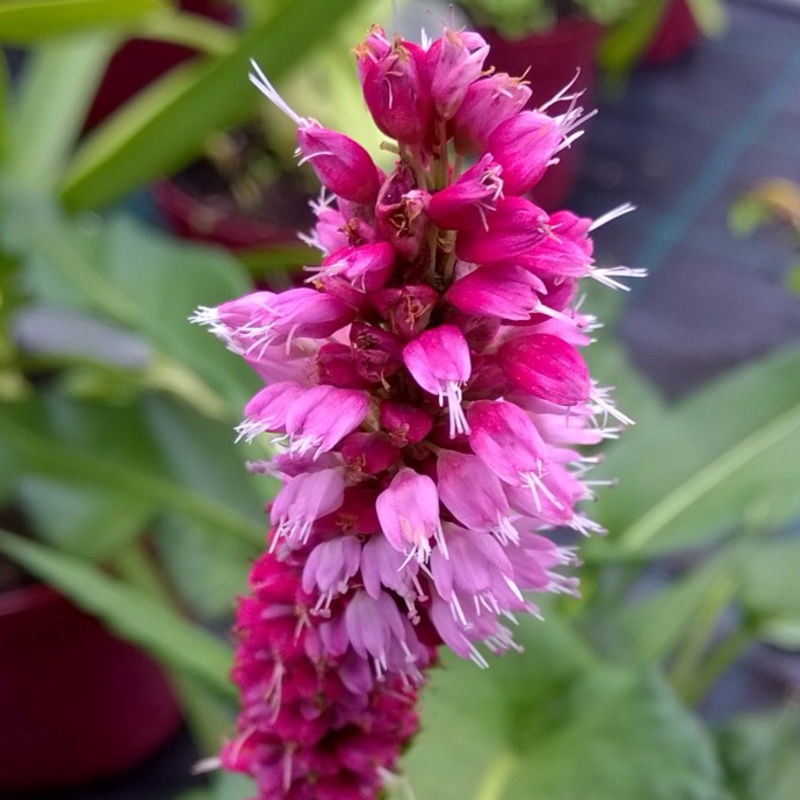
(467, 202)
(547, 367)
(323, 416)
(438, 360)
(453, 62)
(304, 500)
(506, 440)
(408, 512)
(502, 291)
(474, 494)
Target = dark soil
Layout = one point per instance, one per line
(244, 179)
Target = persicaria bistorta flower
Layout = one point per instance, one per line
(428, 395)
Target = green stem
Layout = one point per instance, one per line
(691, 651)
(496, 778)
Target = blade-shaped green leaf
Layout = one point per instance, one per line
(37, 452)
(600, 731)
(144, 280)
(760, 751)
(729, 451)
(135, 615)
(166, 125)
(28, 21)
(59, 82)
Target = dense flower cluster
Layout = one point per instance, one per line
(429, 392)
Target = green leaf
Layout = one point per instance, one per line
(166, 125)
(36, 451)
(59, 81)
(770, 592)
(709, 15)
(625, 41)
(525, 731)
(133, 614)
(4, 98)
(81, 520)
(189, 30)
(730, 451)
(145, 281)
(208, 569)
(759, 753)
(28, 21)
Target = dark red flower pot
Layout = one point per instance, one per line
(551, 61)
(76, 703)
(677, 32)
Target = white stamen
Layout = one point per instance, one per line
(263, 84)
(619, 211)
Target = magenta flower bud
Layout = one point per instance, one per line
(473, 494)
(487, 102)
(524, 145)
(375, 46)
(397, 93)
(342, 166)
(368, 453)
(546, 366)
(302, 501)
(367, 267)
(409, 514)
(335, 367)
(453, 62)
(477, 566)
(556, 256)
(503, 291)
(504, 438)
(267, 410)
(407, 309)
(405, 424)
(376, 352)
(401, 214)
(514, 228)
(323, 416)
(467, 202)
(438, 360)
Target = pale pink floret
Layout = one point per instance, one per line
(479, 568)
(302, 501)
(506, 440)
(438, 360)
(408, 512)
(267, 410)
(330, 565)
(322, 416)
(474, 494)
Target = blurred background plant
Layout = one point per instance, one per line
(122, 488)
